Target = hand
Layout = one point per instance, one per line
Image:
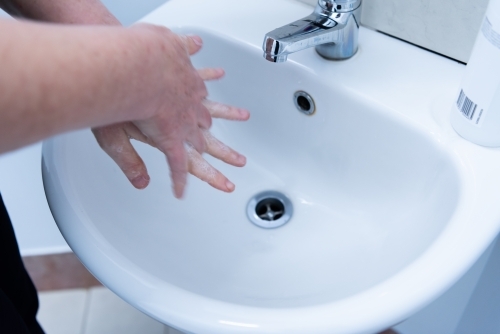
(115, 140)
(175, 114)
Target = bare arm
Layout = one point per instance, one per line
(54, 80)
(115, 139)
(60, 11)
(46, 69)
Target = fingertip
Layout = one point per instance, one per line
(141, 182)
(244, 114)
(211, 73)
(179, 190)
(193, 43)
(230, 186)
(236, 159)
(179, 185)
(242, 160)
(197, 40)
(219, 73)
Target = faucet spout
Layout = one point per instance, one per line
(333, 31)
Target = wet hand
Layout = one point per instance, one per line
(115, 140)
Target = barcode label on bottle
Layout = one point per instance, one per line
(468, 108)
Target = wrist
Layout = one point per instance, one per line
(140, 54)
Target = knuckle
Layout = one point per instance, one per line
(111, 145)
(114, 147)
(170, 148)
(109, 138)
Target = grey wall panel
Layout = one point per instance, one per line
(448, 27)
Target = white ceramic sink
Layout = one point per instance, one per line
(390, 206)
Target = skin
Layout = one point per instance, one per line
(124, 95)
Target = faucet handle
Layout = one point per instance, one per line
(339, 6)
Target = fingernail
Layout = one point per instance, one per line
(197, 40)
(141, 182)
(244, 113)
(229, 186)
(219, 71)
(179, 188)
(242, 159)
(238, 158)
(178, 193)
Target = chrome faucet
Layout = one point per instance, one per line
(332, 28)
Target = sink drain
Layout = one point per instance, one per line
(269, 209)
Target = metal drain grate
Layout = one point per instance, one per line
(269, 209)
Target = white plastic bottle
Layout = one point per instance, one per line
(476, 111)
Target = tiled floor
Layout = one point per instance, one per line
(93, 311)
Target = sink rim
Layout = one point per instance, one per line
(472, 163)
(149, 292)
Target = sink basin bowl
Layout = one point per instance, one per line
(384, 198)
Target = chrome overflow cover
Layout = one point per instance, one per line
(304, 102)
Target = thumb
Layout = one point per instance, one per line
(193, 43)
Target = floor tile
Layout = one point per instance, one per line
(108, 314)
(62, 311)
(60, 271)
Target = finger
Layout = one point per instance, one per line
(192, 43)
(221, 151)
(133, 132)
(196, 138)
(210, 73)
(219, 110)
(204, 117)
(115, 142)
(200, 168)
(177, 160)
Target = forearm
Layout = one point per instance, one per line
(55, 80)
(60, 11)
